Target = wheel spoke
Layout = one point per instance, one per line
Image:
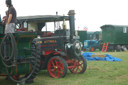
(58, 73)
(55, 72)
(79, 63)
(77, 69)
(61, 67)
(61, 72)
(56, 63)
(79, 66)
(53, 63)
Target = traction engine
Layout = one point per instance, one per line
(62, 50)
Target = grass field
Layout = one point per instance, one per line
(97, 73)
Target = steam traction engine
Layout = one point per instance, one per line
(19, 58)
(62, 50)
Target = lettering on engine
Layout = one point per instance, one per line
(50, 41)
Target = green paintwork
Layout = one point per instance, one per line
(115, 34)
(23, 40)
(83, 36)
(20, 69)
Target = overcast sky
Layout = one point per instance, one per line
(89, 13)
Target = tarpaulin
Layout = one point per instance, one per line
(88, 56)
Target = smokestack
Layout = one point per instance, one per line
(71, 14)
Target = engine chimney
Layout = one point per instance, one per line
(71, 14)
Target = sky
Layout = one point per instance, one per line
(91, 14)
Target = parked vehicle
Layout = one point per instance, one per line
(91, 45)
(19, 56)
(116, 36)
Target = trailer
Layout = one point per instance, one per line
(116, 36)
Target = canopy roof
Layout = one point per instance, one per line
(45, 18)
(113, 26)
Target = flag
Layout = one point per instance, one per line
(78, 27)
(85, 28)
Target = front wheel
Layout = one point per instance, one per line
(57, 67)
(80, 65)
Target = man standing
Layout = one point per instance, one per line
(11, 18)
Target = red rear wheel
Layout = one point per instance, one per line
(80, 66)
(57, 67)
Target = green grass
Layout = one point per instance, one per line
(97, 73)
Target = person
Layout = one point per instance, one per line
(11, 18)
(4, 18)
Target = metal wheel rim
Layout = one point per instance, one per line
(56, 68)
